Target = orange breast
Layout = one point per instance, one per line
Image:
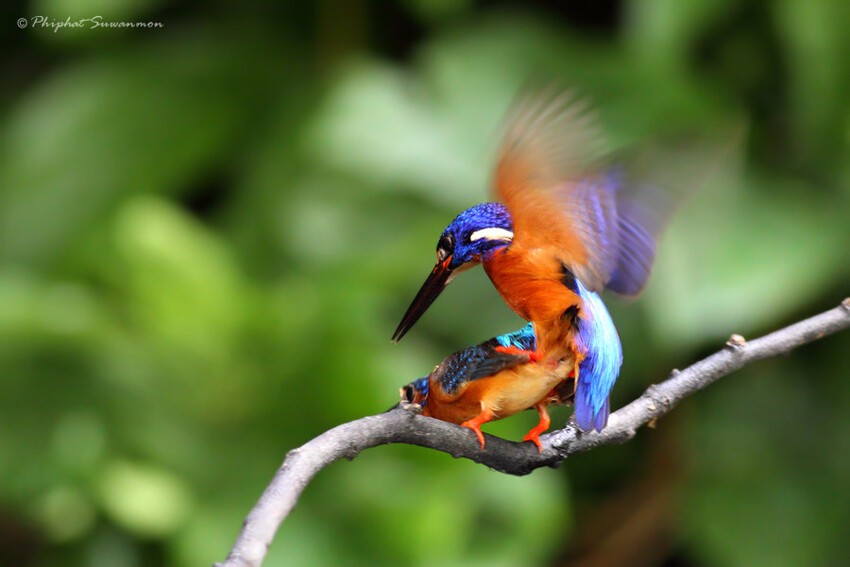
(531, 283)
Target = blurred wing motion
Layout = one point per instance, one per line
(550, 176)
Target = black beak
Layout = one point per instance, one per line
(432, 287)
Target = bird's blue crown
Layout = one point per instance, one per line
(475, 232)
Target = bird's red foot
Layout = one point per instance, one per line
(541, 427)
(476, 422)
(533, 355)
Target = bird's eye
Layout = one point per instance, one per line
(445, 247)
(409, 393)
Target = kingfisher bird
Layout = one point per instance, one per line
(567, 226)
(489, 381)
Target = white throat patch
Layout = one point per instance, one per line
(491, 234)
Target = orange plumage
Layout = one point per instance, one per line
(490, 381)
(548, 157)
(567, 228)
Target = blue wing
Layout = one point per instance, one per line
(482, 360)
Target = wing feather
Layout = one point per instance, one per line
(552, 173)
(473, 363)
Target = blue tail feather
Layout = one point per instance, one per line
(601, 365)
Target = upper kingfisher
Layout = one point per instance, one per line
(565, 228)
(488, 381)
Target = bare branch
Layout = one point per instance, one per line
(403, 425)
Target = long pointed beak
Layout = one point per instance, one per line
(432, 287)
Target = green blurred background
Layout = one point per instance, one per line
(209, 230)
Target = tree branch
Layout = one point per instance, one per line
(401, 424)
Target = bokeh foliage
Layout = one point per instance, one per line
(208, 232)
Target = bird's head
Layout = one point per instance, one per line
(416, 392)
(470, 237)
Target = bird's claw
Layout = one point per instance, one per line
(475, 423)
(477, 430)
(541, 427)
(534, 437)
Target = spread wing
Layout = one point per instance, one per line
(552, 175)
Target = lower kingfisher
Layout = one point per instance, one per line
(566, 228)
(489, 381)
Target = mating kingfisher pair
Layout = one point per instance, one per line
(566, 226)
